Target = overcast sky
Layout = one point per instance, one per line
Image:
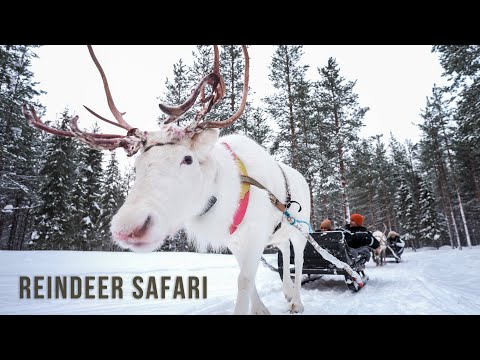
(393, 81)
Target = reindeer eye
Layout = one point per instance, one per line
(187, 160)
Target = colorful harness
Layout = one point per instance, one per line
(244, 193)
(246, 181)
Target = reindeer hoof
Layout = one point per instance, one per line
(260, 310)
(295, 307)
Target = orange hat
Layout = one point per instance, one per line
(327, 224)
(357, 218)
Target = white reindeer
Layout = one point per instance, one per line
(189, 177)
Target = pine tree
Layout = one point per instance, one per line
(407, 213)
(53, 223)
(111, 199)
(384, 186)
(342, 120)
(256, 127)
(178, 243)
(403, 164)
(362, 181)
(128, 180)
(178, 90)
(461, 65)
(232, 69)
(86, 199)
(434, 142)
(292, 108)
(202, 64)
(19, 145)
(431, 225)
(288, 78)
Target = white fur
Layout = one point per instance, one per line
(173, 194)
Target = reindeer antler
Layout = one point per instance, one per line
(214, 79)
(198, 126)
(218, 91)
(130, 142)
(116, 114)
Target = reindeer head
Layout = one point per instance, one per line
(173, 167)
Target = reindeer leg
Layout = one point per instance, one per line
(258, 307)
(248, 253)
(298, 242)
(288, 286)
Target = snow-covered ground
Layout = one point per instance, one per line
(441, 281)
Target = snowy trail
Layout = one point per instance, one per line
(441, 281)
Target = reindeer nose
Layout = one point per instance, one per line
(139, 232)
(136, 234)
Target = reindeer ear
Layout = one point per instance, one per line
(203, 142)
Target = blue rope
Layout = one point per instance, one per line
(292, 221)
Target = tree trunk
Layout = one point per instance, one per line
(455, 184)
(456, 229)
(444, 189)
(293, 137)
(474, 165)
(343, 181)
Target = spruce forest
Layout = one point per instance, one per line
(56, 193)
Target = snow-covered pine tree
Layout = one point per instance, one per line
(177, 90)
(128, 180)
(86, 197)
(111, 199)
(407, 213)
(307, 123)
(370, 183)
(232, 69)
(287, 75)
(252, 122)
(461, 65)
(442, 114)
(19, 146)
(384, 186)
(434, 158)
(291, 107)
(178, 243)
(256, 126)
(202, 63)
(360, 171)
(342, 118)
(430, 221)
(53, 220)
(402, 159)
(326, 191)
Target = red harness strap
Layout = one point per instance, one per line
(244, 193)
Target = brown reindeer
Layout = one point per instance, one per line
(379, 254)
